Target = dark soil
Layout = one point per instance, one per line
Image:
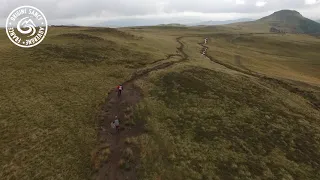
(118, 106)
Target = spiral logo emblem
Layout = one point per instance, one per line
(26, 26)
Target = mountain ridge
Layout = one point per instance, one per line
(210, 23)
(291, 21)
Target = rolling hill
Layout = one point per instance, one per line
(146, 22)
(247, 109)
(173, 25)
(289, 21)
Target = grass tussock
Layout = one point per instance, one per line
(126, 162)
(131, 141)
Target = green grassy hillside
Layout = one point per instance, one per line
(207, 121)
(198, 117)
(288, 57)
(207, 124)
(50, 95)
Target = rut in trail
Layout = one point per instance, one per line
(123, 108)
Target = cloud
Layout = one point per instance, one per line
(90, 11)
(311, 2)
(240, 2)
(261, 3)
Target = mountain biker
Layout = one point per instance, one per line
(117, 123)
(120, 88)
(113, 126)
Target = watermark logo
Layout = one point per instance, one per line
(26, 26)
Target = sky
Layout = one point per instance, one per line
(90, 12)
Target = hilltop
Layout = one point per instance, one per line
(289, 21)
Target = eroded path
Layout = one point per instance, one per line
(112, 146)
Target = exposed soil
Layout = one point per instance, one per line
(118, 106)
(123, 108)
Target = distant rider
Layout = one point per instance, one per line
(120, 88)
(113, 126)
(117, 124)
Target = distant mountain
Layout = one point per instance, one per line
(64, 25)
(71, 25)
(173, 25)
(151, 22)
(128, 23)
(211, 23)
(290, 21)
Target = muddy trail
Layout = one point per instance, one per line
(113, 159)
(309, 96)
(138, 74)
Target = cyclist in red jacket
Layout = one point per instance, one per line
(119, 88)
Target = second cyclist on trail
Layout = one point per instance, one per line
(119, 88)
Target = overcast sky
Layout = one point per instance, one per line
(88, 12)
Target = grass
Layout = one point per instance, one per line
(127, 159)
(204, 124)
(288, 57)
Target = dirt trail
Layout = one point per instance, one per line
(204, 49)
(309, 96)
(117, 106)
(123, 108)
